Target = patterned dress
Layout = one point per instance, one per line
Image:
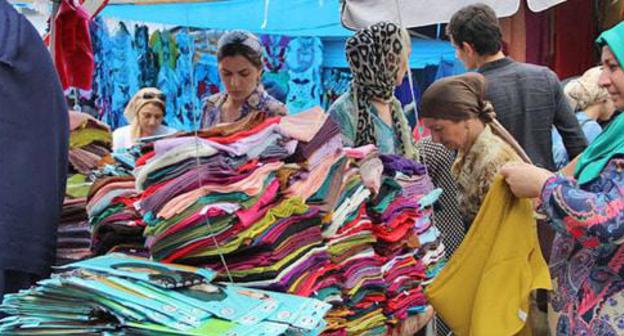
(259, 100)
(587, 257)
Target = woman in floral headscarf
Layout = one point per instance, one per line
(368, 113)
(240, 66)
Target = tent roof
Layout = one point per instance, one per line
(285, 17)
(416, 13)
(319, 18)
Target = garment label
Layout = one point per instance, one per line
(522, 315)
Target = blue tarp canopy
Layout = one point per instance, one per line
(319, 18)
(285, 17)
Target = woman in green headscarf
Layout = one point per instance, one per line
(587, 211)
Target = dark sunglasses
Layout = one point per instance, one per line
(149, 95)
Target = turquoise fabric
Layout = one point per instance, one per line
(342, 111)
(614, 37)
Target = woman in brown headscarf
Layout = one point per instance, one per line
(454, 110)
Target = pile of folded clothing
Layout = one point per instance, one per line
(120, 295)
(406, 237)
(278, 204)
(90, 143)
(113, 219)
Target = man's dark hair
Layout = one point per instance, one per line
(478, 26)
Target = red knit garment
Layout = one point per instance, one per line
(73, 52)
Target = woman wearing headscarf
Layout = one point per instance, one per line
(592, 107)
(454, 109)
(368, 113)
(239, 55)
(145, 112)
(587, 212)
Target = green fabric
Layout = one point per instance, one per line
(113, 209)
(344, 113)
(158, 225)
(287, 208)
(349, 189)
(321, 193)
(77, 186)
(595, 157)
(390, 189)
(614, 37)
(211, 327)
(87, 136)
(349, 244)
(279, 265)
(166, 246)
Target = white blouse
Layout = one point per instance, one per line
(122, 138)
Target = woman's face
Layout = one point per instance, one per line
(239, 76)
(150, 118)
(453, 135)
(403, 68)
(612, 77)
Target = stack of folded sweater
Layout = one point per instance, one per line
(90, 143)
(279, 204)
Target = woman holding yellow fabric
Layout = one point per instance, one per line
(485, 287)
(587, 211)
(454, 110)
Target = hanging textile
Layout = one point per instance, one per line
(73, 53)
(514, 34)
(186, 99)
(574, 31)
(304, 59)
(276, 76)
(102, 83)
(164, 46)
(538, 37)
(207, 76)
(207, 81)
(124, 75)
(335, 82)
(148, 64)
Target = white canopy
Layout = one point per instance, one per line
(358, 14)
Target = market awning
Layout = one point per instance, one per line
(358, 14)
(285, 17)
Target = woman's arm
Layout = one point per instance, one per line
(594, 216)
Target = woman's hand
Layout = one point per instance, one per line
(525, 180)
(413, 324)
(568, 170)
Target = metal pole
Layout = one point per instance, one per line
(55, 7)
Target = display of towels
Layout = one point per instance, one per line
(121, 295)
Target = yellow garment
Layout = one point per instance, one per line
(485, 287)
(86, 136)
